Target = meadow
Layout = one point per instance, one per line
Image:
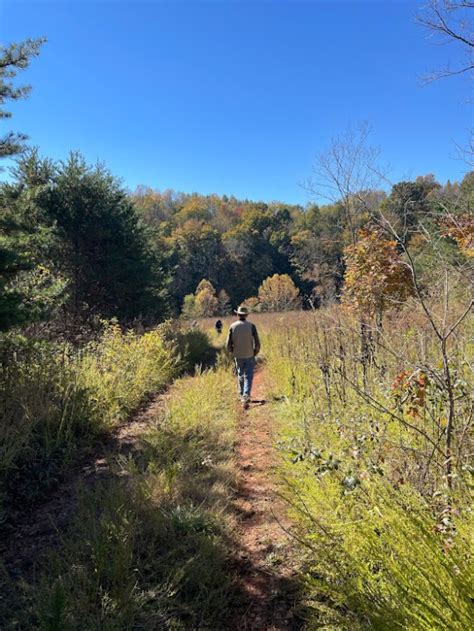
(380, 534)
(387, 534)
(382, 510)
(58, 399)
(137, 491)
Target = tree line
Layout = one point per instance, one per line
(76, 246)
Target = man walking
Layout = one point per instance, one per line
(243, 343)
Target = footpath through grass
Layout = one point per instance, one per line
(150, 543)
(380, 541)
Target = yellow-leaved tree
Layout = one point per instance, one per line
(278, 293)
(461, 229)
(203, 303)
(252, 304)
(206, 300)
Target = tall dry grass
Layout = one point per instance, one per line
(387, 539)
(150, 544)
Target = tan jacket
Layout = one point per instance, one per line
(242, 339)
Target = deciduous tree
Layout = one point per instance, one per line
(224, 302)
(376, 276)
(252, 304)
(451, 21)
(278, 293)
(206, 300)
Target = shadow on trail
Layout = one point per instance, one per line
(265, 599)
(144, 540)
(257, 402)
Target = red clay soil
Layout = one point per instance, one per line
(266, 578)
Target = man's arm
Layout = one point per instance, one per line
(229, 342)
(256, 340)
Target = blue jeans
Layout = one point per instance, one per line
(245, 369)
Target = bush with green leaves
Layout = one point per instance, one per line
(122, 368)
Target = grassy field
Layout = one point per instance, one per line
(387, 536)
(381, 526)
(57, 400)
(385, 527)
(150, 542)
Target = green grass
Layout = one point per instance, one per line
(387, 544)
(385, 541)
(57, 399)
(151, 543)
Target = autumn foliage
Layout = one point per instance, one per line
(204, 302)
(409, 390)
(278, 293)
(461, 229)
(376, 275)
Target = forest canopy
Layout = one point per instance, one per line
(237, 244)
(76, 245)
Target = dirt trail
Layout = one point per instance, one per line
(264, 567)
(266, 574)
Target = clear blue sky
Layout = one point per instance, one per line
(235, 97)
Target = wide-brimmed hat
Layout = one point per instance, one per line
(242, 311)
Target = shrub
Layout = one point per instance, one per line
(386, 538)
(122, 368)
(55, 398)
(376, 556)
(195, 348)
(278, 293)
(191, 346)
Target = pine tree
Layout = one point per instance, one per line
(104, 250)
(81, 229)
(13, 59)
(21, 286)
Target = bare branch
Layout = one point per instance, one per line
(445, 18)
(346, 172)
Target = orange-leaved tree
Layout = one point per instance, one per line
(461, 229)
(376, 276)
